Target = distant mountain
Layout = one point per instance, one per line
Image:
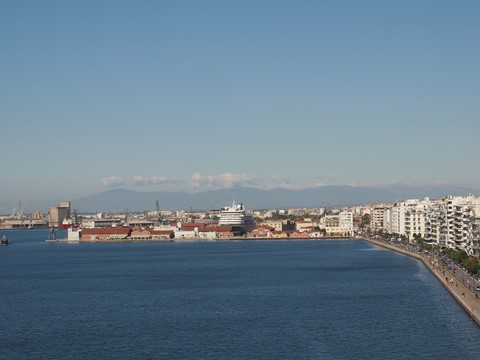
(328, 196)
(119, 200)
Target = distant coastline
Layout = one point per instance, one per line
(199, 239)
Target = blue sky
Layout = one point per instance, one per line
(198, 95)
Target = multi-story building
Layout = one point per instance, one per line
(337, 225)
(377, 217)
(434, 220)
(397, 221)
(454, 222)
(415, 222)
(305, 224)
(345, 220)
(275, 224)
(475, 247)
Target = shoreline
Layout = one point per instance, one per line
(460, 293)
(196, 239)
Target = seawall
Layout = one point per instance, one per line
(462, 295)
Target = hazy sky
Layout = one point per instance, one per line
(197, 95)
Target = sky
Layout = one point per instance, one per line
(200, 95)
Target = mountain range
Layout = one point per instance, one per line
(119, 200)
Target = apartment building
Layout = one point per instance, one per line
(345, 220)
(475, 247)
(377, 217)
(415, 222)
(275, 224)
(454, 222)
(397, 220)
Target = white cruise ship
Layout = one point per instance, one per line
(236, 215)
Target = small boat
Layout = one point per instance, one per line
(4, 241)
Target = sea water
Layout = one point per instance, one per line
(214, 300)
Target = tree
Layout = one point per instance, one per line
(456, 255)
(471, 264)
(365, 221)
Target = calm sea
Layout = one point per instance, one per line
(214, 300)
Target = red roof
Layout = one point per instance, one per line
(224, 228)
(266, 227)
(193, 225)
(300, 234)
(106, 231)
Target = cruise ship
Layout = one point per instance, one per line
(237, 216)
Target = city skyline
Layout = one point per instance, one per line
(192, 96)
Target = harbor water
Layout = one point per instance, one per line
(214, 300)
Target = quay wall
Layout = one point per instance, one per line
(199, 239)
(462, 295)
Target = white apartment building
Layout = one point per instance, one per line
(387, 218)
(454, 222)
(397, 221)
(415, 221)
(475, 246)
(402, 218)
(434, 219)
(345, 220)
(377, 217)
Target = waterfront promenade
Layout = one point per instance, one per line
(465, 296)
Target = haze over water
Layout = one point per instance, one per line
(252, 299)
